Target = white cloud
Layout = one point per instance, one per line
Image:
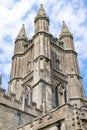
(16, 12)
(7, 3)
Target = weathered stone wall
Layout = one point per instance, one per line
(22, 65)
(9, 109)
(65, 117)
(9, 119)
(19, 104)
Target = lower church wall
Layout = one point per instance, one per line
(11, 118)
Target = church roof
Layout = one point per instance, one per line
(22, 33)
(41, 13)
(65, 30)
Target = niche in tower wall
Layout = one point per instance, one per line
(61, 94)
(41, 66)
(57, 64)
(28, 96)
(29, 66)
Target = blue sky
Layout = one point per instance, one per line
(13, 13)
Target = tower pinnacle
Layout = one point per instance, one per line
(22, 33)
(41, 21)
(65, 31)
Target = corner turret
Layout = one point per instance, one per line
(16, 71)
(20, 41)
(22, 34)
(65, 31)
(67, 37)
(41, 21)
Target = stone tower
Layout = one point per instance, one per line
(45, 88)
(45, 69)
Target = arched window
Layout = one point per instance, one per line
(60, 95)
(26, 99)
(65, 96)
(56, 97)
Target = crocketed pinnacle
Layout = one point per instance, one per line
(22, 34)
(65, 31)
(41, 13)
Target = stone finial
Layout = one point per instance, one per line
(22, 34)
(65, 31)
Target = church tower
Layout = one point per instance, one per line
(45, 88)
(45, 69)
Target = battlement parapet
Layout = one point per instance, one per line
(35, 109)
(11, 101)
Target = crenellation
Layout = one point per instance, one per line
(16, 104)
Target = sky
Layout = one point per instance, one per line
(14, 13)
